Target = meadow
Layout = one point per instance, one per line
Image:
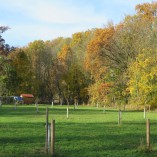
(88, 132)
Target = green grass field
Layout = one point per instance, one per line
(88, 132)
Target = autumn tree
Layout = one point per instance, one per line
(73, 80)
(143, 78)
(19, 78)
(65, 58)
(41, 60)
(57, 44)
(96, 63)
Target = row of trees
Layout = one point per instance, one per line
(114, 64)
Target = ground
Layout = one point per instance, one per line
(87, 132)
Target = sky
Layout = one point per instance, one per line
(31, 20)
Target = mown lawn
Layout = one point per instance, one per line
(87, 133)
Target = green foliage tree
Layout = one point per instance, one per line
(5, 49)
(41, 60)
(19, 77)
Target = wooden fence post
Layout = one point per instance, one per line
(49, 137)
(119, 116)
(46, 141)
(37, 108)
(104, 109)
(148, 133)
(144, 113)
(52, 103)
(52, 137)
(67, 112)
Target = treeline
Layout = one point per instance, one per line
(116, 64)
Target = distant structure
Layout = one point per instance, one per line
(17, 99)
(27, 98)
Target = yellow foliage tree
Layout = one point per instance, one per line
(142, 74)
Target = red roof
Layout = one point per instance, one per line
(27, 95)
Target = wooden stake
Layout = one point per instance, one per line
(52, 137)
(36, 108)
(46, 142)
(119, 117)
(148, 133)
(144, 113)
(67, 112)
(52, 103)
(49, 137)
(104, 109)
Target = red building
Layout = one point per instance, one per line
(28, 98)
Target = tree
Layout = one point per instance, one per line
(19, 77)
(5, 49)
(97, 64)
(41, 61)
(147, 10)
(72, 81)
(143, 78)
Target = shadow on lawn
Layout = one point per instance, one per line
(82, 139)
(9, 111)
(104, 138)
(31, 110)
(79, 139)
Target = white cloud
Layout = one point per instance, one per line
(53, 12)
(48, 19)
(21, 35)
(45, 16)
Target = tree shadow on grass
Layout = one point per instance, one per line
(98, 137)
(79, 139)
(10, 111)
